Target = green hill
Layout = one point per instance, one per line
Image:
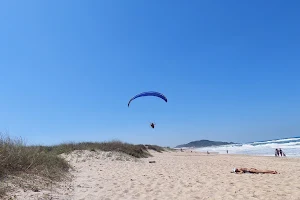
(203, 143)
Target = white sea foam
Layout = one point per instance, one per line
(290, 146)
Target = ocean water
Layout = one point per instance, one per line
(290, 146)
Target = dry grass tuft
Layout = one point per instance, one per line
(17, 158)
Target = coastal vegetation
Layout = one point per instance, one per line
(19, 159)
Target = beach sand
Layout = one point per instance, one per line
(174, 175)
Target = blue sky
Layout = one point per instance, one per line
(230, 70)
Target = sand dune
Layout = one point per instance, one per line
(174, 175)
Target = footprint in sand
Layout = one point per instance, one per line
(137, 195)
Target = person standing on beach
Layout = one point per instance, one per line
(227, 151)
(276, 152)
(280, 151)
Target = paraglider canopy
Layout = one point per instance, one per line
(150, 93)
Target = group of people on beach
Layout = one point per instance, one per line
(279, 152)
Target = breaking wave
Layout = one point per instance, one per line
(290, 146)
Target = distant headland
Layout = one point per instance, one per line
(203, 143)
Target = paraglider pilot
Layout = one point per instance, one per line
(152, 125)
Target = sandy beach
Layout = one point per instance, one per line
(174, 175)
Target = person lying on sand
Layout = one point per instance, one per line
(252, 171)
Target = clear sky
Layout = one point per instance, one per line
(230, 70)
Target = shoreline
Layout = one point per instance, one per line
(260, 155)
(251, 154)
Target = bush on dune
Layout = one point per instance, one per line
(16, 158)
